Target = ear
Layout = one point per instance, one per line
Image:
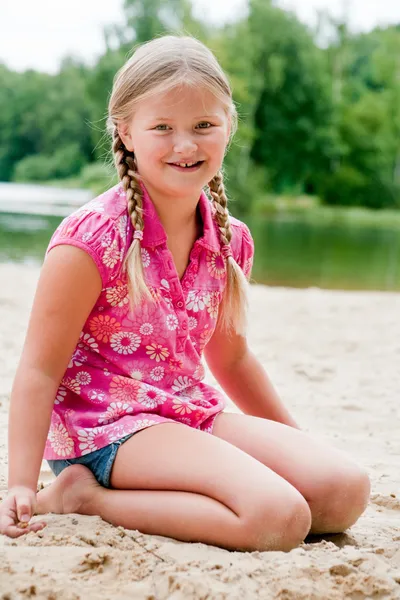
(124, 134)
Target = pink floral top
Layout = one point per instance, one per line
(131, 370)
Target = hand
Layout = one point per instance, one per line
(16, 511)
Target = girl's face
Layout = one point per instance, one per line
(184, 125)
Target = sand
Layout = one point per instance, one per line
(334, 358)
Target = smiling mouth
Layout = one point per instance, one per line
(187, 166)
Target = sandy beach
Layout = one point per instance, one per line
(334, 358)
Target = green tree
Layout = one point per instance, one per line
(295, 116)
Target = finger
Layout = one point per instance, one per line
(14, 532)
(6, 520)
(24, 509)
(38, 526)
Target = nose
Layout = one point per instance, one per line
(184, 144)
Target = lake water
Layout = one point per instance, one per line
(289, 251)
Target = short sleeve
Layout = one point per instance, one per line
(246, 255)
(96, 234)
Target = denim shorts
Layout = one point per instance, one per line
(100, 462)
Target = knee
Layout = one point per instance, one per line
(344, 500)
(282, 526)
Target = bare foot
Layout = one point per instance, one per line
(71, 492)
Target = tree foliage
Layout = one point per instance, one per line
(314, 120)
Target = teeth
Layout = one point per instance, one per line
(185, 164)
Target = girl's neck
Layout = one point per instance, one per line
(177, 215)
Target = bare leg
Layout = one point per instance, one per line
(186, 484)
(336, 489)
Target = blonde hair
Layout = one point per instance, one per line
(159, 66)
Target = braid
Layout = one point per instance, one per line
(234, 305)
(220, 202)
(126, 165)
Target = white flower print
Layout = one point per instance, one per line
(87, 236)
(150, 396)
(146, 329)
(97, 396)
(125, 342)
(87, 342)
(112, 255)
(199, 372)
(121, 224)
(137, 374)
(182, 382)
(106, 239)
(60, 441)
(119, 431)
(165, 293)
(192, 393)
(62, 392)
(77, 360)
(114, 411)
(168, 302)
(192, 323)
(172, 322)
(83, 378)
(145, 257)
(141, 423)
(139, 369)
(157, 373)
(88, 439)
(197, 301)
(165, 284)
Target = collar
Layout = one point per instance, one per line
(154, 233)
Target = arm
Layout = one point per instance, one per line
(68, 287)
(243, 378)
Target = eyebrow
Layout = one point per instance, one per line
(194, 118)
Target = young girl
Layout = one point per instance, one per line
(136, 286)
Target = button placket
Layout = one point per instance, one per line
(177, 298)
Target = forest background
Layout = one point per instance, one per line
(319, 109)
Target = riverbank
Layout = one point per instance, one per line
(333, 357)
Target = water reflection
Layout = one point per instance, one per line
(289, 251)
